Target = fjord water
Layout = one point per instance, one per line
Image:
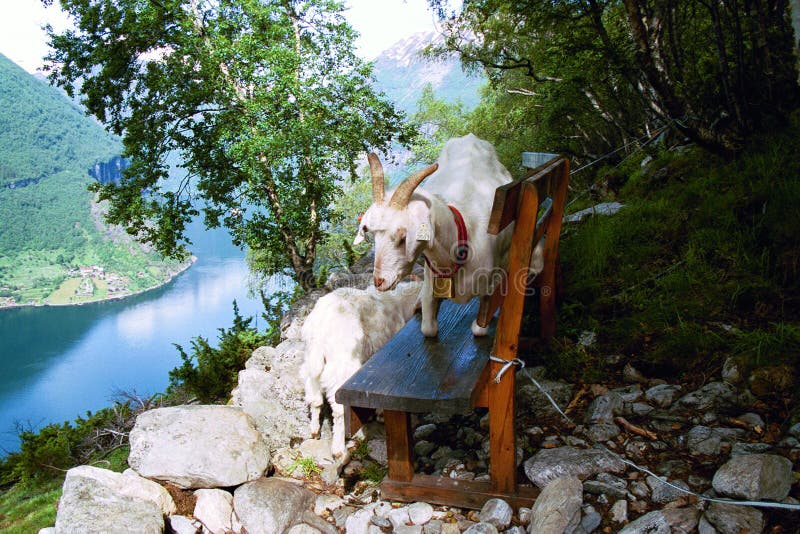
(58, 362)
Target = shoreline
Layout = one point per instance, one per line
(172, 276)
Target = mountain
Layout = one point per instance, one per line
(54, 246)
(401, 73)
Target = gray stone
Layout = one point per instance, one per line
(604, 208)
(714, 395)
(327, 501)
(270, 505)
(423, 448)
(752, 419)
(198, 446)
(313, 520)
(496, 512)
(638, 408)
(303, 528)
(741, 448)
(399, 516)
(703, 440)
(180, 524)
(613, 487)
(481, 528)
(662, 395)
(704, 527)
(380, 522)
(549, 464)
(292, 321)
(794, 430)
(755, 477)
(589, 521)
(731, 372)
(789, 442)
(587, 338)
(377, 450)
(420, 512)
(603, 408)
(664, 521)
(534, 401)
(631, 375)
(214, 509)
(731, 519)
(602, 432)
(663, 493)
(408, 529)
(640, 489)
(619, 511)
(558, 507)
(275, 399)
(99, 501)
(359, 521)
(47, 530)
(424, 431)
(630, 393)
(341, 514)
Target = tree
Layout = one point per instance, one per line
(264, 101)
(608, 71)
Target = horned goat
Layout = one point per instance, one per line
(422, 222)
(345, 328)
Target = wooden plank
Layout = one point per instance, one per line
(501, 395)
(547, 278)
(486, 313)
(399, 445)
(438, 375)
(355, 418)
(461, 493)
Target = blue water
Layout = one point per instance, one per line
(58, 362)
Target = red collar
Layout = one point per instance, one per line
(460, 252)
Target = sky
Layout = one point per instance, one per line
(381, 23)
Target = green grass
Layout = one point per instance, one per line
(702, 264)
(26, 508)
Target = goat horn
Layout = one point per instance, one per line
(403, 192)
(376, 169)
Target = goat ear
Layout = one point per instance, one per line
(359, 237)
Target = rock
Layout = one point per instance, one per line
(704, 527)
(270, 505)
(420, 512)
(587, 338)
(358, 281)
(558, 507)
(776, 379)
(740, 448)
(399, 516)
(703, 440)
(377, 450)
(664, 522)
(549, 464)
(99, 501)
(714, 395)
(380, 522)
(292, 321)
(423, 447)
(731, 519)
(604, 408)
(662, 395)
(198, 446)
(630, 393)
(496, 512)
(312, 520)
(359, 521)
(755, 477)
(275, 398)
(631, 375)
(481, 528)
(731, 372)
(303, 528)
(604, 208)
(534, 401)
(590, 520)
(327, 501)
(638, 408)
(612, 486)
(214, 509)
(619, 511)
(663, 493)
(180, 524)
(602, 432)
(753, 420)
(794, 430)
(47, 530)
(424, 431)
(407, 529)
(341, 514)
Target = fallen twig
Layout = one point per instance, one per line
(578, 397)
(639, 431)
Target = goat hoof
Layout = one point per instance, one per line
(479, 331)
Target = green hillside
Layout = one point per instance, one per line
(49, 227)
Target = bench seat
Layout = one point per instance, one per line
(433, 375)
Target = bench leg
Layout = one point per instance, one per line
(399, 445)
(502, 442)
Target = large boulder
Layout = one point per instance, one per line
(755, 477)
(549, 464)
(664, 521)
(97, 500)
(271, 505)
(198, 446)
(558, 507)
(271, 391)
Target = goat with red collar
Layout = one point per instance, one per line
(445, 222)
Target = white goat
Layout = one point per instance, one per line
(417, 222)
(345, 328)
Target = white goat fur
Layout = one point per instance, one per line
(466, 178)
(345, 328)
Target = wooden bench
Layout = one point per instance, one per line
(453, 373)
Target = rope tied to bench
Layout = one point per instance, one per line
(506, 367)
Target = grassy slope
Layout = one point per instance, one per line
(47, 227)
(702, 264)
